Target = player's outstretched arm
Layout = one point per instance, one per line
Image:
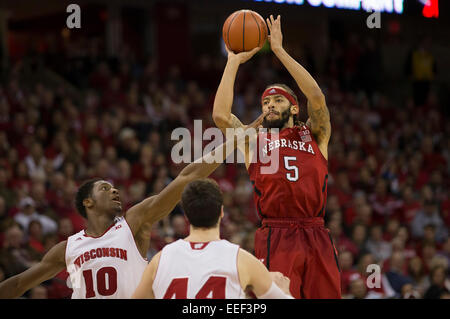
(319, 116)
(157, 207)
(51, 264)
(145, 288)
(254, 275)
(223, 101)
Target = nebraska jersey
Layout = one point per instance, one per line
(190, 270)
(109, 266)
(297, 187)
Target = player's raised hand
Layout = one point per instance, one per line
(257, 124)
(242, 57)
(276, 37)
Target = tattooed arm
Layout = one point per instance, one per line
(319, 117)
(319, 123)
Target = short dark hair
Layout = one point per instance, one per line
(85, 191)
(202, 203)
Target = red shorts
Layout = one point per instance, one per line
(301, 249)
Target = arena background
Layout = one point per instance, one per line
(102, 101)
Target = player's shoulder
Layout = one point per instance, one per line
(227, 243)
(174, 246)
(245, 260)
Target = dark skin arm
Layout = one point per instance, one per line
(159, 206)
(51, 264)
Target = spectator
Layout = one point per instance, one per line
(35, 238)
(429, 216)
(410, 206)
(417, 274)
(347, 270)
(28, 213)
(439, 283)
(383, 203)
(3, 211)
(340, 240)
(36, 161)
(379, 248)
(8, 195)
(421, 67)
(445, 252)
(395, 275)
(14, 256)
(358, 288)
(409, 292)
(359, 237)
(65, 229)
(179, 226)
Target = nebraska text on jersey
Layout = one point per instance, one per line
(295, 145)
(100, 253)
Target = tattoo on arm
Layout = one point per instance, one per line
(235, 122)
(320, 121)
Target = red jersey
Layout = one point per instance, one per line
(298, 186)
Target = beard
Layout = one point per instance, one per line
(278, 123)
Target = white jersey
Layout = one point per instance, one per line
(109, 266)
(198, 270)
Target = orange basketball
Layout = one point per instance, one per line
(244, 30)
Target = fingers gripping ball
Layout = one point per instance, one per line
(244, 30)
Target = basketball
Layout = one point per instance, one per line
(244, 30)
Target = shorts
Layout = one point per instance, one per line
(302, 249)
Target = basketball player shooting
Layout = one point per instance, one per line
(291, 201)
(107, 259)
(204, 266)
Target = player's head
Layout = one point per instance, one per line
(281, 103)
(98, 195)
(202, 203)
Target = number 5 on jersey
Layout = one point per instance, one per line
(291, 176)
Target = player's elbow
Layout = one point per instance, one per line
(221, 120)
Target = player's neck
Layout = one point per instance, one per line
(97, 225)
(203, 234)
(288, 124)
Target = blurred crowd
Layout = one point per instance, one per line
(389, 163)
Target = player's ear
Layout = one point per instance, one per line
(294, 109)
(221, 212)
(88, 202)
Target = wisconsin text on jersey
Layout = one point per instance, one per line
(99, 253)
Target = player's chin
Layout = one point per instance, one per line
(117, 208)
(272, 123)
